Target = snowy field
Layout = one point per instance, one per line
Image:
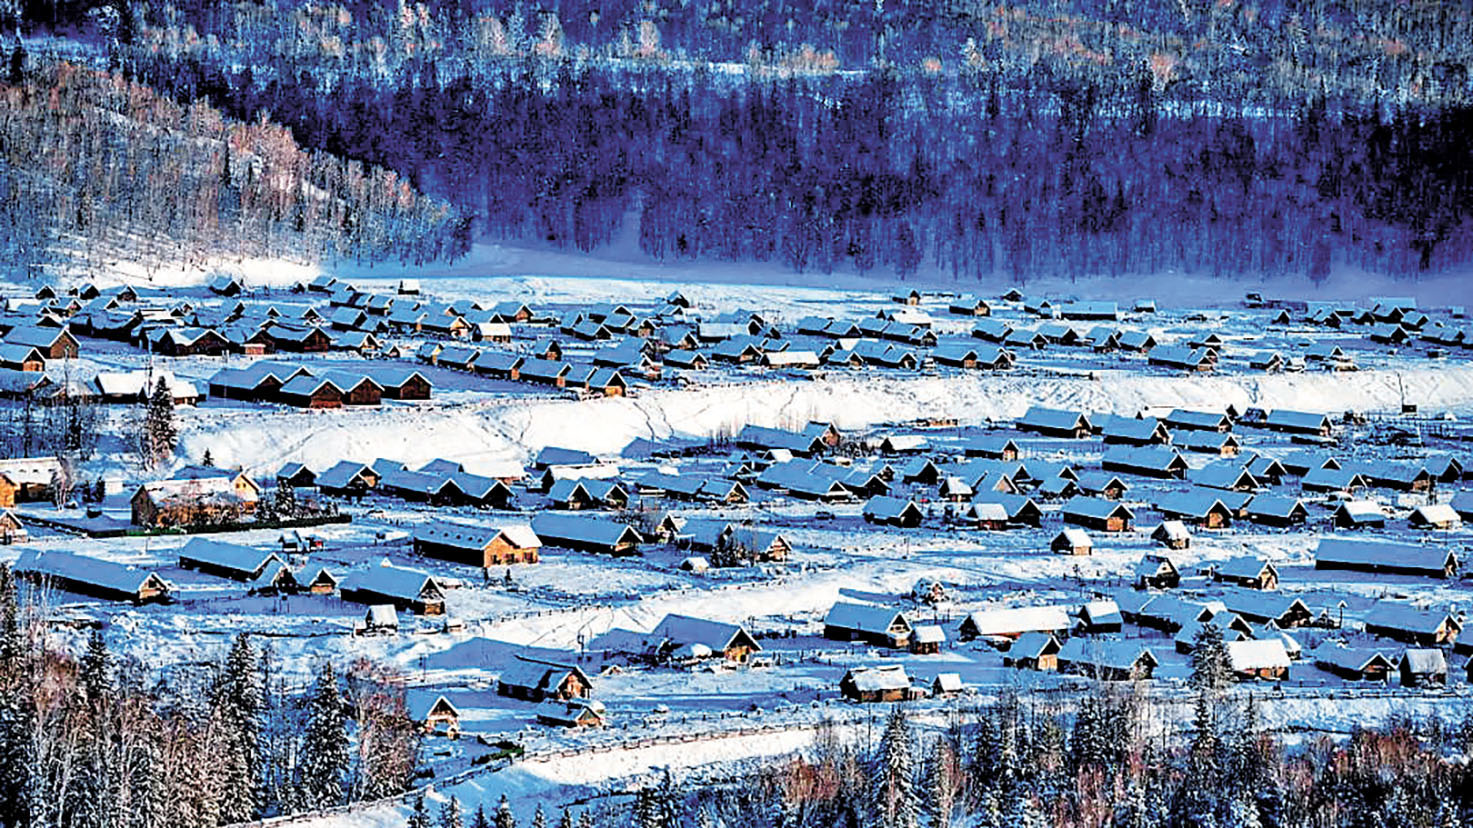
(565, 607)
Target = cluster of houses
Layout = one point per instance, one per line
(319, 386)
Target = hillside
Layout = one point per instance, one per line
(96, 170)
(982, 140)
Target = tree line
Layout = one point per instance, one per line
(95, 167)
(979, 138)
(896, 172)
(1112, 762)
(94, 741)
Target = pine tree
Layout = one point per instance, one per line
(208, 459)
(585, 819)
(420, 816)
(940, 787)
(285, 503)
(893, 785)
(1022, 810)
(239, 699)
(96, 681)
(480, 820)
(450, 816)
(1210, 668)
(324, 764)
(504, 817)
(159, 435)
(566, 821)
(539, 819)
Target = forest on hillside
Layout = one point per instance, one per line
(1042, 137)
(95, 168)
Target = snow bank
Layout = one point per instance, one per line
(501, 431)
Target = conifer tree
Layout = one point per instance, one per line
(479, 820)
(1210, 669)
(566, 821)
(239, 699)
(96, 664)
(419, 817)
(895, 802)
(539, 819)
(940, 787)
(504, 817)
(324, 745)
(450, 815)
(159, 434)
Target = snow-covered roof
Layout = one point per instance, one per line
(583, 529)
(1096, 508)
(84, 569)
(1193, 503)
(1074, 537)
(1015, 620)
(864, 617)
(395, 582)
(462, 536)
(1436, 513)
(1172, 530)
(1423, 661)
(1408, 618)
(1243, 566)
(243, 559)
(539, 674)
(884, 507)
(1257, 654)
(1053, 418)
(716, 635)
(1104, 652)
(1376, 553)
(929, 634)
(878, 679)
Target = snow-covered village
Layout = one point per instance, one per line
(736, 414)
(577, 544)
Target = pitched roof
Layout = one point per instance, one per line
(1254, 654)
(227, 555)
(717, 635)
(395, 582)
(1378, 553)
(84, 569)
(864, 617)
(1013, 620)
(583, 528)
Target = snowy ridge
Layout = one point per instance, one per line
(496, 433)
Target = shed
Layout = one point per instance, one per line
(1172, 534)
(1393, 558)
(1033, 651)
(888, 683)
(1100, 515)
(880, 626)
(1072, 542)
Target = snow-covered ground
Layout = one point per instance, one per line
(561, 606)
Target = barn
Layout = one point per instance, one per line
(586, 533)
(406, 589)
(537, 680)
(93, 576)
(880, 626)
(478, 546)
(1392, 558)
(1100, 515)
